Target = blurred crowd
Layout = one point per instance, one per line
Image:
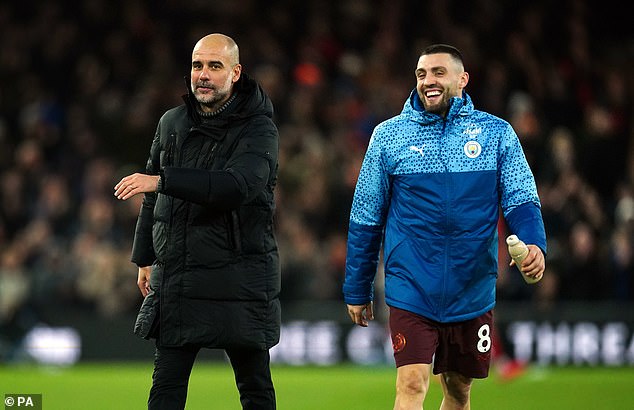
(83, 85)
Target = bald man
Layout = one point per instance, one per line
(208, 264)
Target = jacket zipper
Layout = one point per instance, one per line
(445, 145)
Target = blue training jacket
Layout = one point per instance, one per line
(430, 190)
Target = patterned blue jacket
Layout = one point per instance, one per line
(430, 190)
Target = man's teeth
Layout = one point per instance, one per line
(432, 93)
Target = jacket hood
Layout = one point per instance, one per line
(414, 110)
(250, 100)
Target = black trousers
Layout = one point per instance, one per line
(173, 366)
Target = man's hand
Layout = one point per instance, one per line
(534, 264)
(361, 314)
(135, 184)
(143, 282)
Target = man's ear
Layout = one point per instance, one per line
(237, 70)
(464, 80)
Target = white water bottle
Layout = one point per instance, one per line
(518, 251)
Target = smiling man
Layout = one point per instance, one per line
(429, 191)
(439, 77)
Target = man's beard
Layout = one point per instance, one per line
(212, 99)
(438, 108)
(209, 100)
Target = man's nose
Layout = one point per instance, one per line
(204, 73)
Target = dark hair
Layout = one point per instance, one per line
(444, 49)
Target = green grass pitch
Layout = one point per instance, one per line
(125, 386)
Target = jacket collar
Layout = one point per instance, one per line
(250, 100)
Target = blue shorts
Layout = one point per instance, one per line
(462, 347)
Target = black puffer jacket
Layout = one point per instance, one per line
(208, 233)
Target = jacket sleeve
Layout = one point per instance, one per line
(142, 247)
(365, 232)
(526, 222)
(519, 198)
(247, 172)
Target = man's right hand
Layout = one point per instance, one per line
(361, 314)
(143, 282)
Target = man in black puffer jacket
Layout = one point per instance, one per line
(204, 242)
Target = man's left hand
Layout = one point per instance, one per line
(534, 264)
(135, 184)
